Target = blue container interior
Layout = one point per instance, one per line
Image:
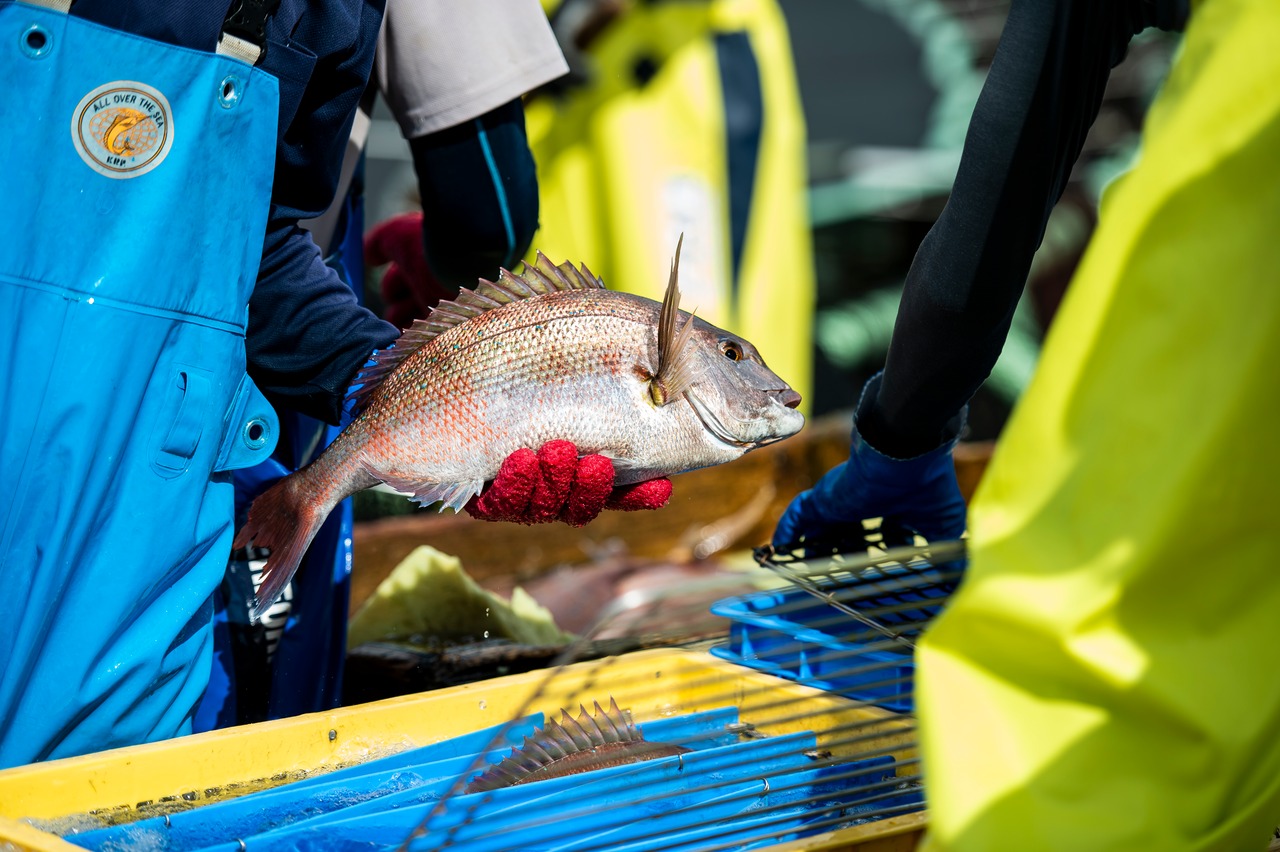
(716, 794)
(796, 635)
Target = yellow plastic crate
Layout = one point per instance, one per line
(130, 783)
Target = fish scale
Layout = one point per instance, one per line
(545, 355)
(552, 377)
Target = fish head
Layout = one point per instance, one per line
(737, 398)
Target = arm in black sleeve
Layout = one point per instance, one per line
(307, 335)
(1042, 94)
(479, 193)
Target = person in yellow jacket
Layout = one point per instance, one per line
(1105, 677)
(683, 118)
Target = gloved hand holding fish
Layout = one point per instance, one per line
(555, 484)
(544, 355)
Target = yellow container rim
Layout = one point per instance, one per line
(147, 780)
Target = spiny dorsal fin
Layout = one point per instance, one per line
(674, 374)
(559, 740)
(533, 280)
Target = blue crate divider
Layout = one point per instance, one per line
(795, 635)
(711, 794)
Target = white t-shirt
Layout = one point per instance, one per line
(443, 62)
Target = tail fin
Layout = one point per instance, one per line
(284, 519)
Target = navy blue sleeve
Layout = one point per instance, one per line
(479, 190)
(307, 335)
(1041, 95)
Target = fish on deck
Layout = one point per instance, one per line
(548, 354)
(572, 746)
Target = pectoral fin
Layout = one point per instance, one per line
(454, 495)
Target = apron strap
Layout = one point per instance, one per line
(56, 5)
(244, 32)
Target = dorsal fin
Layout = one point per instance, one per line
(534, 280)
(560, 740)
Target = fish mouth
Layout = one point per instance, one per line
(718, 430)
(787, 397)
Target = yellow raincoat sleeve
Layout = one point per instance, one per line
(1107, 679)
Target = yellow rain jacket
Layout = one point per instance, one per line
(1109, 676)
(690, 122)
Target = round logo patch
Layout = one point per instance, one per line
(123, 129)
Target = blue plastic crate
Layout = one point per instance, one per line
(795, 635)
(713, 793)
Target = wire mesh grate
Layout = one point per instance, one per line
(753, 719)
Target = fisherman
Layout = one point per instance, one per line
(170, 154)
(1103, 679)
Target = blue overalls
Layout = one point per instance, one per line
(138, 177)
(291, 660)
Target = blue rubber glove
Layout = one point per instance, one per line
(920, 494)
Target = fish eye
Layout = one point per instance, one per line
(731, 350)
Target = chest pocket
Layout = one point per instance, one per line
(246, 431)
(187, 403)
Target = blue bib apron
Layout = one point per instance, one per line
(291, 660)
(140, 176)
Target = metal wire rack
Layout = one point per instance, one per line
(767, 716)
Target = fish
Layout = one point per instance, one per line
(573, 746)
(115, 139)
(546, 354)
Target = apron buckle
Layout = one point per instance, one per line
(246, 21)
(251, 430)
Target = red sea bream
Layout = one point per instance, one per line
(543, 355)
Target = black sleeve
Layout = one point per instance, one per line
(307, 335)
(1041, 95)
(479, 195)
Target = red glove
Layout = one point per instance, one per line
(409, 290)
(553, 484)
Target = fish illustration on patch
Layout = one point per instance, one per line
(115, 138)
